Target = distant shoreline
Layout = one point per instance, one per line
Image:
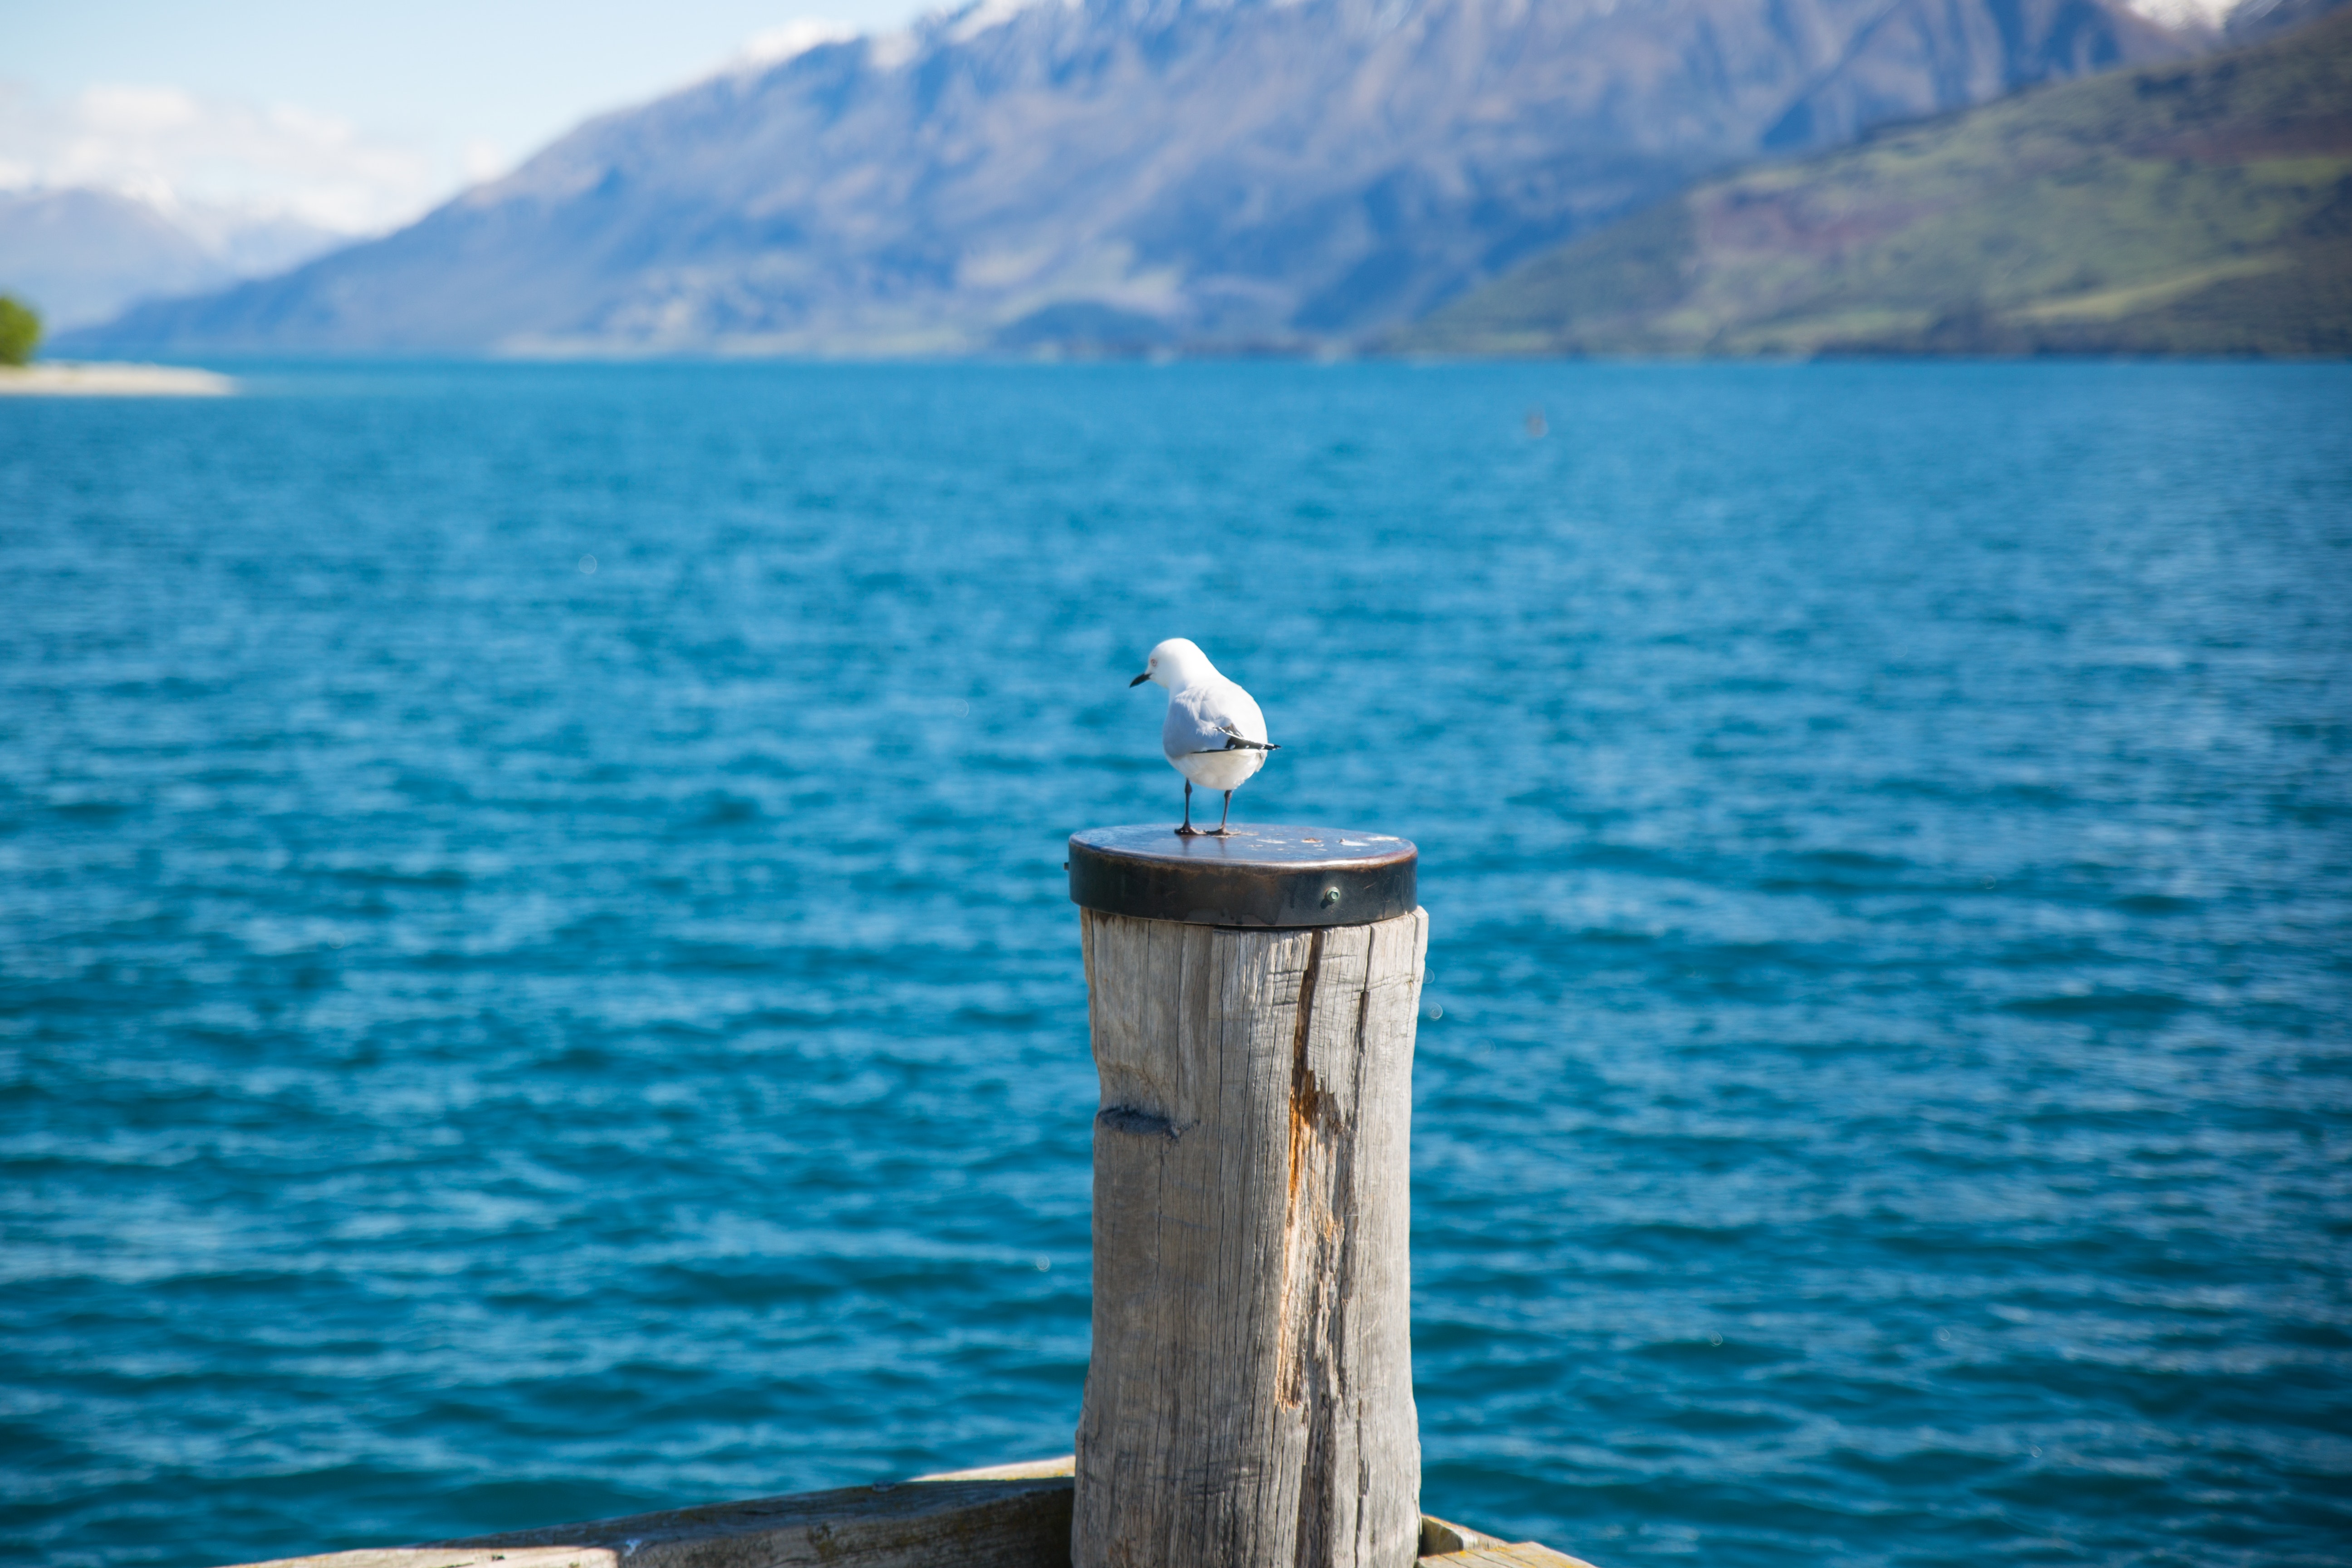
(67, 379)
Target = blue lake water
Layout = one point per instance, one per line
(486, 1042)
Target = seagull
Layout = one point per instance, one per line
(1214, 735)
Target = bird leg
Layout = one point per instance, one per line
(1222, 831)
(1188, 830)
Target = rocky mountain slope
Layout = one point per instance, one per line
(1126, 172)
(2200, 208)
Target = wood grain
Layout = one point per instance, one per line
(1250, 1397)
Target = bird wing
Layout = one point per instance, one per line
(1214, 716)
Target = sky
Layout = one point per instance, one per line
(354, 117)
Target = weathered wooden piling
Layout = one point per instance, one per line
(1253, 1002)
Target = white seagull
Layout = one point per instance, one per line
(1214, 735)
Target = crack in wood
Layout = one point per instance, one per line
(1307, 1104)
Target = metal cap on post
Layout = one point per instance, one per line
(1278, 876)
(1252, 1000)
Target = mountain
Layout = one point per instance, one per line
(1127, 173)
(80, 256)
(2202, 208)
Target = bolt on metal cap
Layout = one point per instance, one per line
(1261, 877)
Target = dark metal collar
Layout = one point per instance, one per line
(1254, 877)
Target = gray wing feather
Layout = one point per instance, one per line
(1213, 717)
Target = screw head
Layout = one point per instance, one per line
(1330, 897)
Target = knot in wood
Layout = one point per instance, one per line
(1140, 1124)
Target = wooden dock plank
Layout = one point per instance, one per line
(1445, 1544)
(1014, 1516)
(1005, 1516)
(1516, 1554)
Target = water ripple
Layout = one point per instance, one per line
(484, 1043)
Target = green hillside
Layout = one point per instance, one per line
(2188, 209)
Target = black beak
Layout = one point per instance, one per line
(1140, 680)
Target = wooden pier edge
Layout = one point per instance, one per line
(1009, 1516)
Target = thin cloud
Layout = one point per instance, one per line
(176, 148)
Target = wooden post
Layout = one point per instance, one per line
(1253, 1002)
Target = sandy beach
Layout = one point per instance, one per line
(70, 380)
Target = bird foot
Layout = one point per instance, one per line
(1190, 832)
(1218, 833)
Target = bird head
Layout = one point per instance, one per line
(1176, 664)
